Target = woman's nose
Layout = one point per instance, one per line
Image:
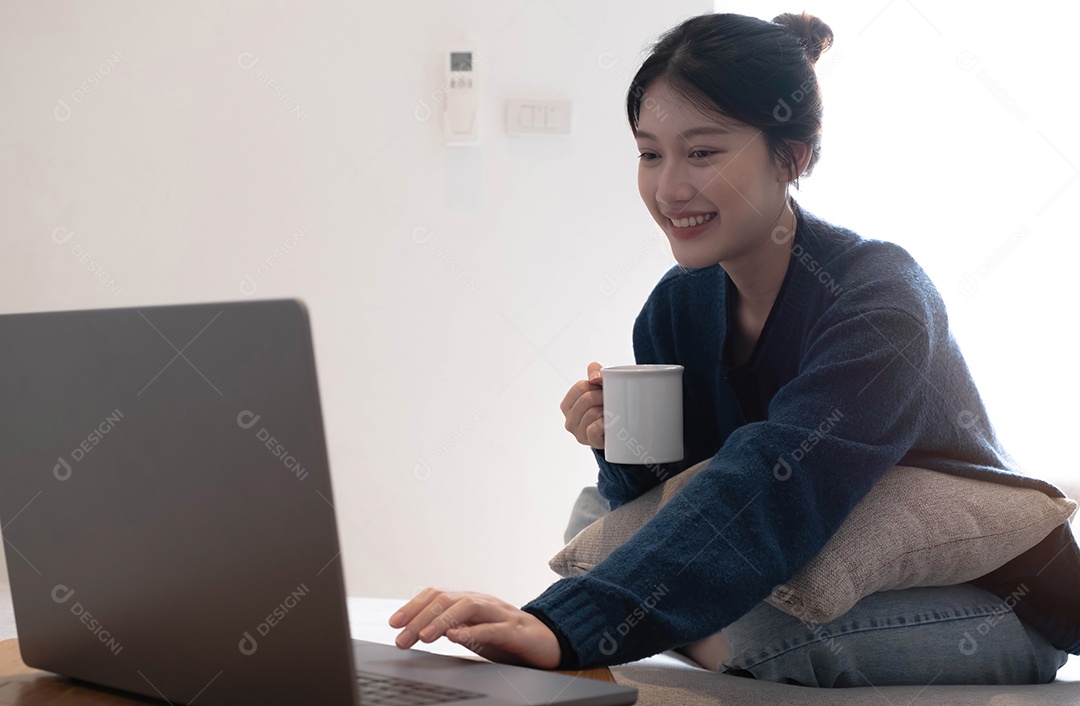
(674, 185)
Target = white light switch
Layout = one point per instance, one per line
(537, 117)
(554, 117)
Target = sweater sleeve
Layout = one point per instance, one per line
(768, 500)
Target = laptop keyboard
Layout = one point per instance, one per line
(381, 690)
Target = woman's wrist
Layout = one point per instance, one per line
(567, 656)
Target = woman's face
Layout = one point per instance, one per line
(697, 166)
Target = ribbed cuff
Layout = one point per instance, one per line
(568, 602)
(567, 658)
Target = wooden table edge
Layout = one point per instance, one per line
(597, 673)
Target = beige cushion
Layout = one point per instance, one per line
(916, 527)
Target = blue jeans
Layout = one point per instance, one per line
(937, 634)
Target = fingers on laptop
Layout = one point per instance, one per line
(484, 624)
(456, 614)
(432, 613)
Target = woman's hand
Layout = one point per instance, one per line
(489, 627)
(583, 408)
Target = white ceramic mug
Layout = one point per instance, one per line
(643, 413)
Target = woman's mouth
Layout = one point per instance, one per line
(689, 226)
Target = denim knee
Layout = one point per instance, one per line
(927, 635)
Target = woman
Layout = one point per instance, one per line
(801, 321)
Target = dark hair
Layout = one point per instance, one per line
(757, 72)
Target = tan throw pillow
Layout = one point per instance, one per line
(916, 527)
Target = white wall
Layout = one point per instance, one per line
(456, 293)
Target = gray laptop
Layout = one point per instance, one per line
(169, 524)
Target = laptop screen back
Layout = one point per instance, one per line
(166, 503)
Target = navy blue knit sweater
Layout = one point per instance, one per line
(855, 371)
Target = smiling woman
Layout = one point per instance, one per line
(733, 141)
(789, 328)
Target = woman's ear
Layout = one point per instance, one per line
(801, 152)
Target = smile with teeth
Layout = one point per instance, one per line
(691, 221)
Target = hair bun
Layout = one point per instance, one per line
(815, 35)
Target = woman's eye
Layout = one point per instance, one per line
(701, 154)
(647, 156)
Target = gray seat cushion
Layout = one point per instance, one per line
(660, 683)
(588, 508)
